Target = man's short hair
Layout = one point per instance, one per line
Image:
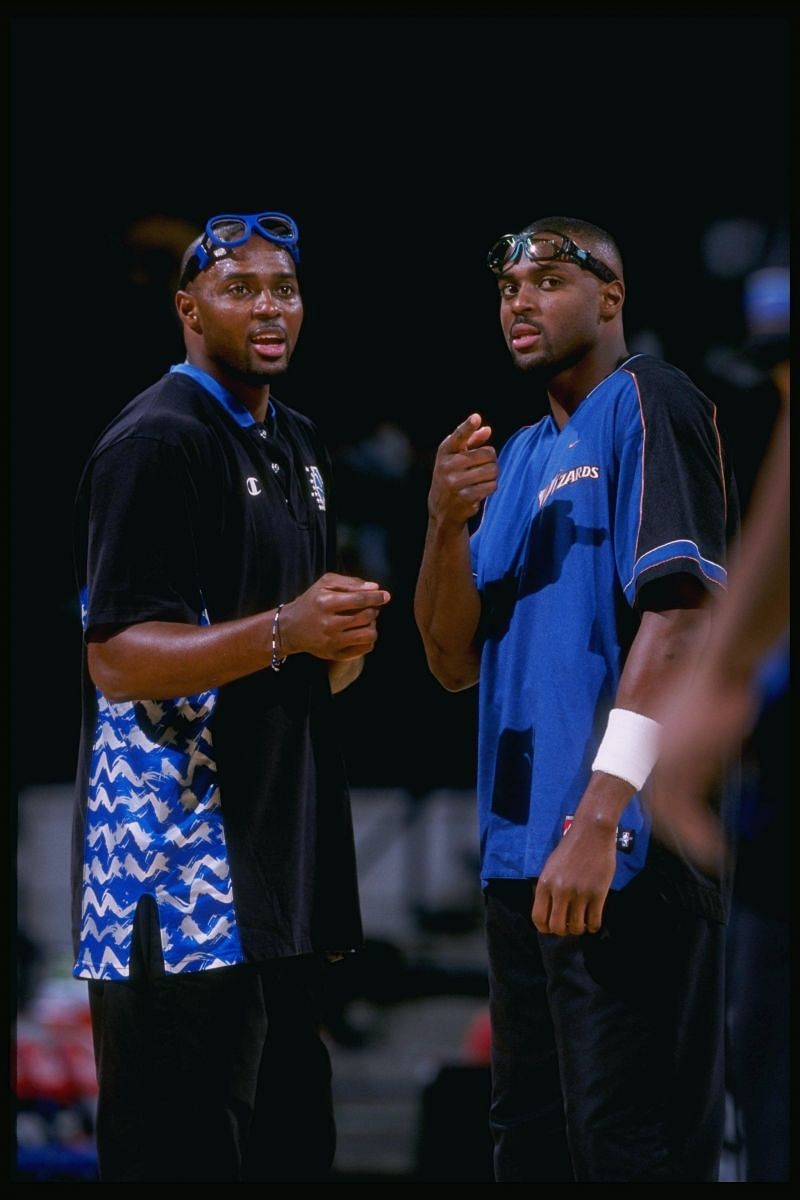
(188, 255)
(588, 236)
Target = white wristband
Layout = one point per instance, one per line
(629, 748)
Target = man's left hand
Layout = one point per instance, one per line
(572, 888)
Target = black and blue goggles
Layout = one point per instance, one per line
(229, 230)
(546, 247)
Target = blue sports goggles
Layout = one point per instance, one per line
(228, 230)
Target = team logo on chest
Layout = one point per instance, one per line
(317, 486)
(563, 478)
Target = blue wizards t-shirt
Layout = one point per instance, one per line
(634, 487)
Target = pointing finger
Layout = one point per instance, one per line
(459, 438)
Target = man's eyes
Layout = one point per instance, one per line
(547, 283)
(284, 290)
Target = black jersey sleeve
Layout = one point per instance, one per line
(137, 556)
(674, 491)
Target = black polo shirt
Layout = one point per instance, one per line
(230, 808)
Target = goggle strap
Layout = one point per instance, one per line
(565, 248)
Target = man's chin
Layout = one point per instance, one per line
(260, 375)
(529, 362)
(269, 372)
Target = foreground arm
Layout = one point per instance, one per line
(335, 619)
(575, 880)
(447, 605)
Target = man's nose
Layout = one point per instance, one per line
(526, 299)
(266, 303)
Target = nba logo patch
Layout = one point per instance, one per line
(317, 486)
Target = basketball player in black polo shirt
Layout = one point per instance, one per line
(213, 860)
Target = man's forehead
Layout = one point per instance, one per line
(256, 254)
(544, 266)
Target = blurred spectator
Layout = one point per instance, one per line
(382, 481)
(372, 476)
(55, 1087)
(29, 966)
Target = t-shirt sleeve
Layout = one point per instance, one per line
(140, 553)
(671, 510)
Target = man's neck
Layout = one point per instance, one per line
(254, 397)
(570, 387)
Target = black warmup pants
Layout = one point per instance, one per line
(607, 1049)
(212, 1076)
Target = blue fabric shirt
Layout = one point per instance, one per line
(634, 487)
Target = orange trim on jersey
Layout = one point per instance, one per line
(644, 442)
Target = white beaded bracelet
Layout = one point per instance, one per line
(629, 748)
(277, 662)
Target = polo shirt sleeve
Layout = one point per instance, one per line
(141, 561)
(671, 505)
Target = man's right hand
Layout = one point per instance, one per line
(335, 619)
(464, 474)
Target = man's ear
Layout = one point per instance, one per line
(187, 311)
(612, 298)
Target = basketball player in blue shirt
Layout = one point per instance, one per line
(600, 531)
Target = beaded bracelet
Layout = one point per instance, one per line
(276, 663)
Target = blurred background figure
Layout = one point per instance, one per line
(737, 701)
(377, 466)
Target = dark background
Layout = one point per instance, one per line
(404, 145)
